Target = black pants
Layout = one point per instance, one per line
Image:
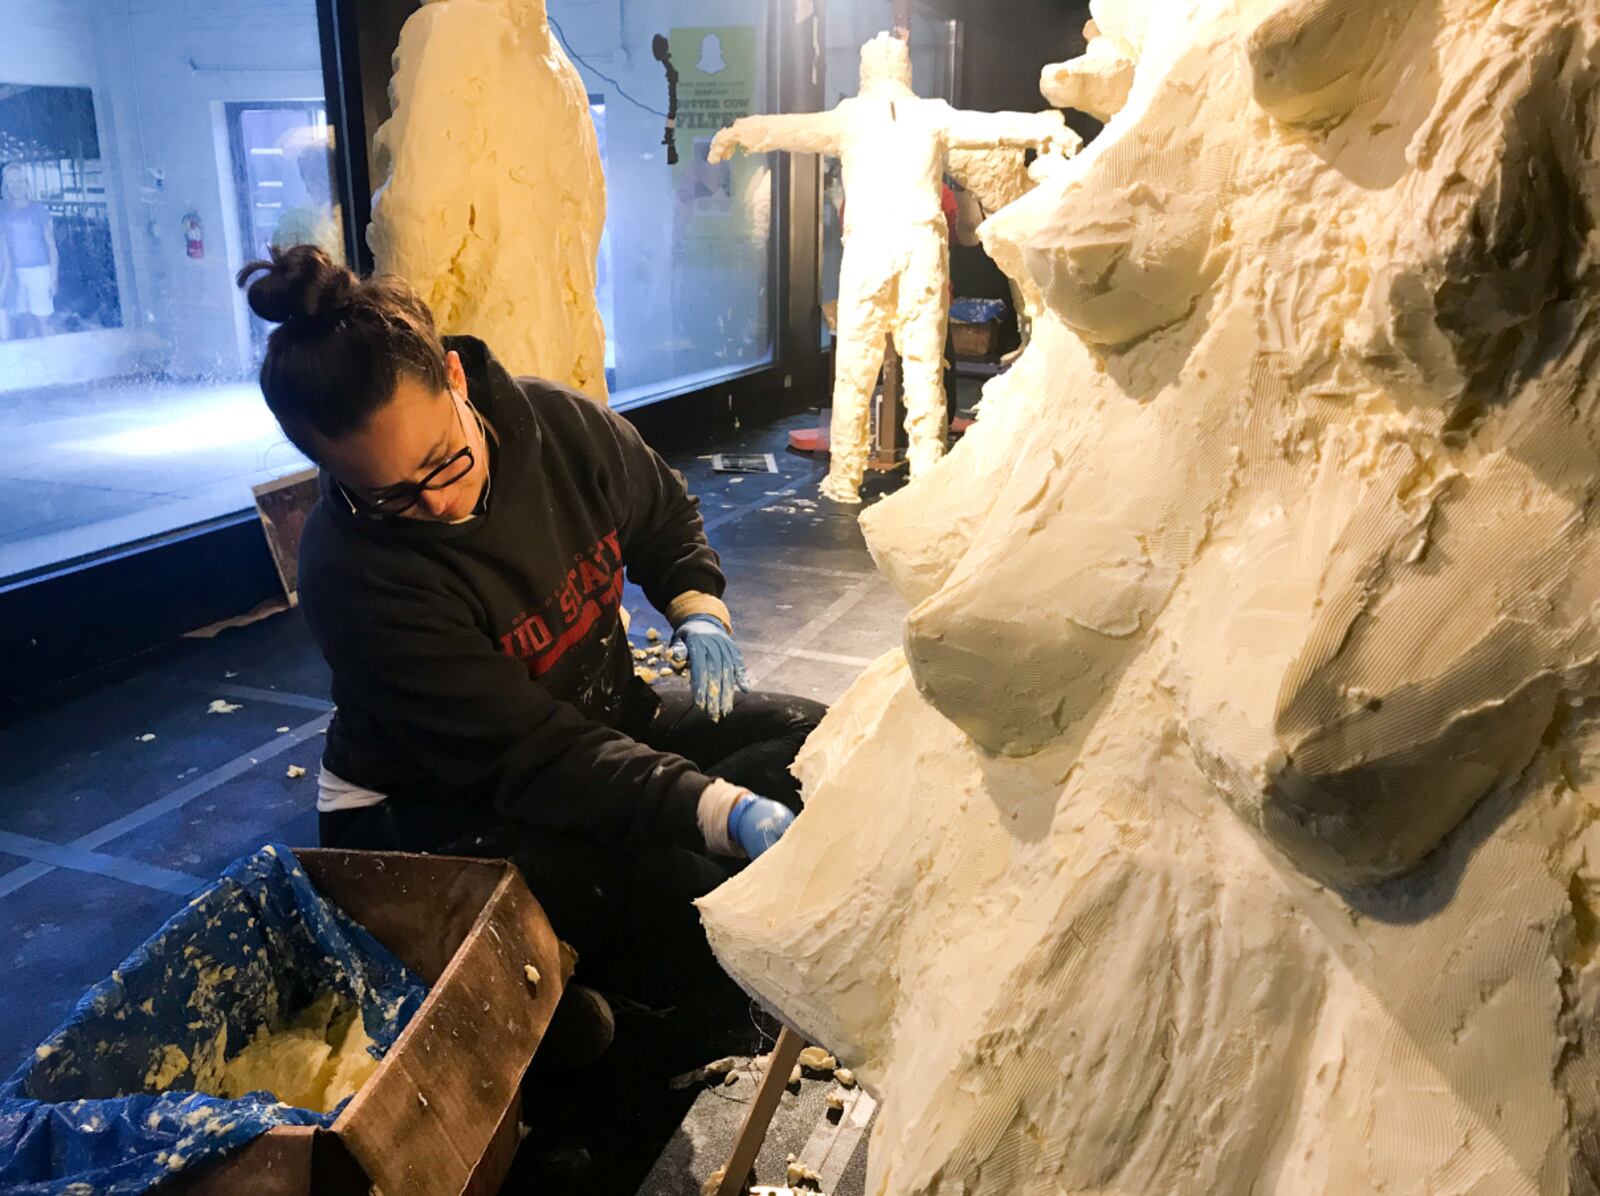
(628, 910)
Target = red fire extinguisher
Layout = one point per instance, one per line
(194, 237)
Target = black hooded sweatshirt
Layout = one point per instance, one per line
(482, 668)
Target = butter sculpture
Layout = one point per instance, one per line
(493, 201)
(895, 278)
(1228, 823)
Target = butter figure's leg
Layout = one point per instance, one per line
(866, 295)
(923, 320)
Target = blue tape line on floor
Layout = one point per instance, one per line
(255, 693)
(202, 785)
(85, 845)
(27, 874)
(717, 521)
(131, 872)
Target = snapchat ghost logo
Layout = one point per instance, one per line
(711, 60)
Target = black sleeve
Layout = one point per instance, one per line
(448, 704)
(663, 537)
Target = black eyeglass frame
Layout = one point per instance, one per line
(411, 495)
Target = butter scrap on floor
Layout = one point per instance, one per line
(816, 1059)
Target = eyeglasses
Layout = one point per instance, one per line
(402, 498)
(399, 501)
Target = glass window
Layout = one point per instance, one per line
(149, 149)
(687, 262)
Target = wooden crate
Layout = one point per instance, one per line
(442, 1113)
(975, 341)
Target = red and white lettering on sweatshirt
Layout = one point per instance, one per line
(584, 606)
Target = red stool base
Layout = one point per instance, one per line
(815, 440)
(809, 440)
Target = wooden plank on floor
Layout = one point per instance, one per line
(754, 1132)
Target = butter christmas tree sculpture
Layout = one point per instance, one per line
(1229, 822)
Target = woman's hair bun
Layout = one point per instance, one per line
(302, 283)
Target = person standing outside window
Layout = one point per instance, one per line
(316, 221)
(33, 265)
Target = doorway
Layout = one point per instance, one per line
(282, 158)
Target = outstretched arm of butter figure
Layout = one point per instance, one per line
(1014, 130)
(798, 133)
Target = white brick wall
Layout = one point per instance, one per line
(48, 42)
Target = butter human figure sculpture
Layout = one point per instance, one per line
(1231, 821)
(895, 278)
(494, 202)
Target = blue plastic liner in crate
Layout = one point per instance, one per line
(251, 950)
(977, 311)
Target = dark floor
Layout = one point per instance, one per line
(119, 803)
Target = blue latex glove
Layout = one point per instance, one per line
(757, 823)
(716, 667)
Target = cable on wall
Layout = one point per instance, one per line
(581, 61)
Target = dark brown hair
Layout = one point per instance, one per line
(342, 344)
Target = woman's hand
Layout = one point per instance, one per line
(716, 667)
(757, 823)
